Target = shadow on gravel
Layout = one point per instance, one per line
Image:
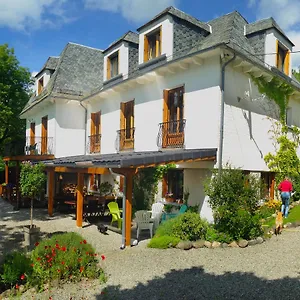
(194, 283)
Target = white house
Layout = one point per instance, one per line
(179, 90)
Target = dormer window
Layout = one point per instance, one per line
(40, 85)
(152, 44)
(283, 59)
(113, 65)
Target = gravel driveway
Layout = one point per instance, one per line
(267, 271)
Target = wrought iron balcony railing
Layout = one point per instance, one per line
(94, 143)
(171, 134)
(125, 139)
(39, 145)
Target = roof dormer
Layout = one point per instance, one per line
(120, 56)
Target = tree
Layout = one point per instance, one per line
(296, 73)
(32, 181)
(15, 84)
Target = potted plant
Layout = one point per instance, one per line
(32, 181)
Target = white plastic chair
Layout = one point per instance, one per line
(143, 222)
(156, 213)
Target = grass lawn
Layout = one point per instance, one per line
(294, 215)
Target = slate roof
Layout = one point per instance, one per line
(130, 36)
(78, 70)
(179, 14)
(265, 24)
(131, 159)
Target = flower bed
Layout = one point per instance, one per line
(63, 257)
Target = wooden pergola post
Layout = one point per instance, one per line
(51, 174)
(79, 206)
(18, 183)
(128, 217)
(6, 172)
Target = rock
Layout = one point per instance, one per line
(224, 245)
(252, 242)
(233, 245)
(207, 244)
(274, 215)
(216, 245)
(5, 294)
(21, 288)
(243, 243)
(198, 244)
(259, 240)
(288, 225)
(185, 245)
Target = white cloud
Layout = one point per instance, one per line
(29, 14)
(287, 15)
(132, 10)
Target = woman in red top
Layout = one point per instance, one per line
(285, 187)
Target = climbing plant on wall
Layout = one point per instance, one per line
(145, 185)
(275, 90)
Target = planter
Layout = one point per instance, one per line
(169, 199)
(31, 234)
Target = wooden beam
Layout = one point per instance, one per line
(28, 157)
(272, 189)
(79, 206)
(129, 188)
(126, 171)
(50, 192)
(91, 170)
(6, 172)
(18, 183)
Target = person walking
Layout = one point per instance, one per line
(285, 187)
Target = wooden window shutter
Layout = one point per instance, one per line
(93, 117)
(146, 49)
(165, 106)
(122, 116)
(158, 43)
(108, 68)
(132, 114)
(32, 134)
(287, 63)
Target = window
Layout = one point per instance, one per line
(283, 59)
(44, 141)
(95, 136)
(113, 65)
(152, 45)
(173, 122)
(40, 85)
(288, 116)
(127, 125)
(173, 184)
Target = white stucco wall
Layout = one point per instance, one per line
(167, 37)
(246, 125)
(123, 60)
(46, 76)
(70, 129)
(201, 109)
(194, 181)
(272, 36)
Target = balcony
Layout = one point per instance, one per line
(39, 146)
(171, 134)
(125, 139)
(94, 142)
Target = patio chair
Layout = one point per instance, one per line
(156, 213)
(115, 213)
(167, 216)
(143, 222)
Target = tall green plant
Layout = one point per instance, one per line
(32, 181)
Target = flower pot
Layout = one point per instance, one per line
(31, 234)
(169, 199)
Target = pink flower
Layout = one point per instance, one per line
(103, 257)
(22, 277)
(36, 244)
(84, 241)
(81, 269)
(17, 286)
(63, 248)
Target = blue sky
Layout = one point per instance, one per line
(37, 29)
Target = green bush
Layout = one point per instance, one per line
(16, 268)
(163, 242)
(265, 211)
(64, 256)
(234, 199)
(194, 209)
(213, 235)
(188, 226)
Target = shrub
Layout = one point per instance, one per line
(16, 269)
(213, 235)
(64, 256)
(188, 226)
(194, 209)
(163, 242)
(234, 199)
